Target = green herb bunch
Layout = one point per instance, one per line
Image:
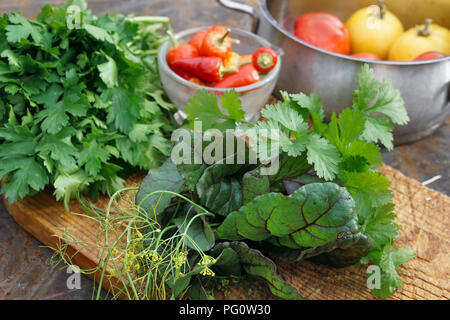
(81, 101)
(327, 202)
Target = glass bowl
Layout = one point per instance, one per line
(253, 97)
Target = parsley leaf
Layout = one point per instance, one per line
(79, 107)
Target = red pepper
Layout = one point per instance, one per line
(197, 81)
(209, 69)
(216, 42)
(183, 51)
(246, 75)
(233, 60)
(197, 40)
(265, 59)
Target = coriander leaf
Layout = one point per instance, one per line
(314, 106)
(323, 156)
(203, 106)
(368, 88)
(390, 103)
(230, 102)
(380, 227)
(370, 186)
(379, 130)
(388, 262)
(287, 117)
(373, 99)
(369, 151)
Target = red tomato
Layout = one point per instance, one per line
(431, 55)
(323, 30)
(366, 55)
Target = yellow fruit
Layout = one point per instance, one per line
(423, 38)
(374, 29)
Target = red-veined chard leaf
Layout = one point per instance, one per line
(312, 216)
(256, 264)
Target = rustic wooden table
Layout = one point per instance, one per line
(25, 271)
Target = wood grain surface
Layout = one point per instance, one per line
(423, 215)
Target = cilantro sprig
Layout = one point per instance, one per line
(81, 101)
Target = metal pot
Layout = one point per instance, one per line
(425, 85)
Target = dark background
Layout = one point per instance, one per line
(25, 271)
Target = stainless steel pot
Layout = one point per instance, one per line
(425, 86)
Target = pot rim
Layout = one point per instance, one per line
(276, 25)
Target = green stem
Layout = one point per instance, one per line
(150, 19)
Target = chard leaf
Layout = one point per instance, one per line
(356, 244)
(200, 235)
(253, 185)
(164, 178)
(312, 216)
(218, 190)
(349, 252)
(228, 262)
(256, 264)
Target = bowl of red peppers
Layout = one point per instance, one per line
(218, 59)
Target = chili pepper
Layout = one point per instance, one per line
(246, 75)
(185, 75)
(233, 60)
(183, 51)
(197, 40)
(265, 59)
(197, 81)
(209, 69)
(217, 42)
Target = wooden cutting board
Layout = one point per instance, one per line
(422, 214)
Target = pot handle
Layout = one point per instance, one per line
(243, 8)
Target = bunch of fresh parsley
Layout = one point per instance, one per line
(81, 101)
(343, 150)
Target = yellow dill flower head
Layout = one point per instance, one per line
(136, 267)
(115, 251)
(207, 272)
(207, 261)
